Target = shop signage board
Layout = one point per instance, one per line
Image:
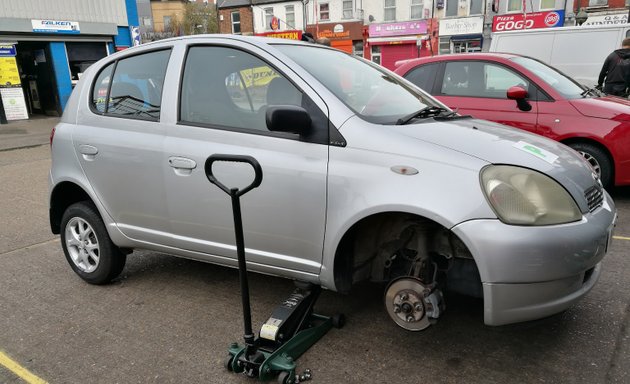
(14, 103)
(398, 29)
(10, 85)
(56, 26)
(614, 19)
(291, 35)
(461, 26)
(535, 20)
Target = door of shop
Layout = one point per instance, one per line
(38, 79)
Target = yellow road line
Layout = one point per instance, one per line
(20, 371)
(621, 238)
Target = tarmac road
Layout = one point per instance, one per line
(169, 320)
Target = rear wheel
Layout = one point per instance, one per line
(87, 245)
(598, 159)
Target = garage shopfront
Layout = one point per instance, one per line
(391, 42)
(47, 54)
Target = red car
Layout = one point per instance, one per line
(528, 94)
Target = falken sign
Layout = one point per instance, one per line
(518, 21)
(55, 26)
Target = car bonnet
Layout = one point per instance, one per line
(608, 107)
(498, 144)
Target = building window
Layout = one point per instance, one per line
(376, 54)
(597, 3)
(451, 7)
(268, 17)
(515, 6)
(289, 18)
(390, 10)
(476, 5)
(547, 4)
(167, 23)
(347, 9)
(324, 13)
(416, 9)
(357, 48)
(236, 23)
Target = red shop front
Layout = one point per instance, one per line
(392, 42)
(392, 51)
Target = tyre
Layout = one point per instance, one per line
(87, 245)
(598, 159)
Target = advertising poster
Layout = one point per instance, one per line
(10, 85)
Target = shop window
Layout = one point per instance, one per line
(515, 6)
(238, 100)
(476, 7)
(289, 16)
(236, 22)
(451, 8)
(136, 90)
(547, 4)
(376, 54)
(268, 17)
(82, 55)
(324, 12)
(390, 10)
(347, 9)
(417, 6)
(357, 48)
(466, 46)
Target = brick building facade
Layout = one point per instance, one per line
(235, 16)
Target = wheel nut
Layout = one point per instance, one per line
(396, 308)
(418, 307)
(410, 319)
(404, 297)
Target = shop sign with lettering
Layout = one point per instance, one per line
(398, 29)
(461, 26)
(55, 26)
(615, 19)
(533, 20)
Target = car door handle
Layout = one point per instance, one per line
(183, 166)
(89, 152)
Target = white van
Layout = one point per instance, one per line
(577, 51)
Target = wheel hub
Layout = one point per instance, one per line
(411, 304)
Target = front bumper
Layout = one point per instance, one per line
(533, 272)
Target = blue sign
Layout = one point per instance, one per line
(7, 50)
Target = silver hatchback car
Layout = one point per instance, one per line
(366, 177)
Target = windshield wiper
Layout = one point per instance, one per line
(591, 91)
(431, 110)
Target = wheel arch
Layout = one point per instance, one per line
(62, 196)
(595, 143)
(358, 255)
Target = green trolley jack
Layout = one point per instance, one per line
(292, 328)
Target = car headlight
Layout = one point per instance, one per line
(522, 196)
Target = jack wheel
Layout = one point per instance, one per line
(285, 378)
(338, 320)
(227, 363)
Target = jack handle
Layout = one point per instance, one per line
(235, 194)
(237, 159)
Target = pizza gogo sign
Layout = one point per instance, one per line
(534, 20)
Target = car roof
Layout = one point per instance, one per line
(407, 64)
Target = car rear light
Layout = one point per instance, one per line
(52, 136)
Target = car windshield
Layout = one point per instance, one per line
(563, 84)
(373, 93)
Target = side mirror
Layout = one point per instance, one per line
(288, 118)
(520, 95)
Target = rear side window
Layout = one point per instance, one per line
(136, 88)
(424, 76)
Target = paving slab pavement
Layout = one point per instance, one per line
(26, 133)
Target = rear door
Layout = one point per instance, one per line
(225, 92)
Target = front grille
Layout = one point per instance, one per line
(594, 197)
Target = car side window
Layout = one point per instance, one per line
(424, 76)
(234, 91)
(136, 86)
(101, 86)
(479, 79)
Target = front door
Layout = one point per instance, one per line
(479, 88)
